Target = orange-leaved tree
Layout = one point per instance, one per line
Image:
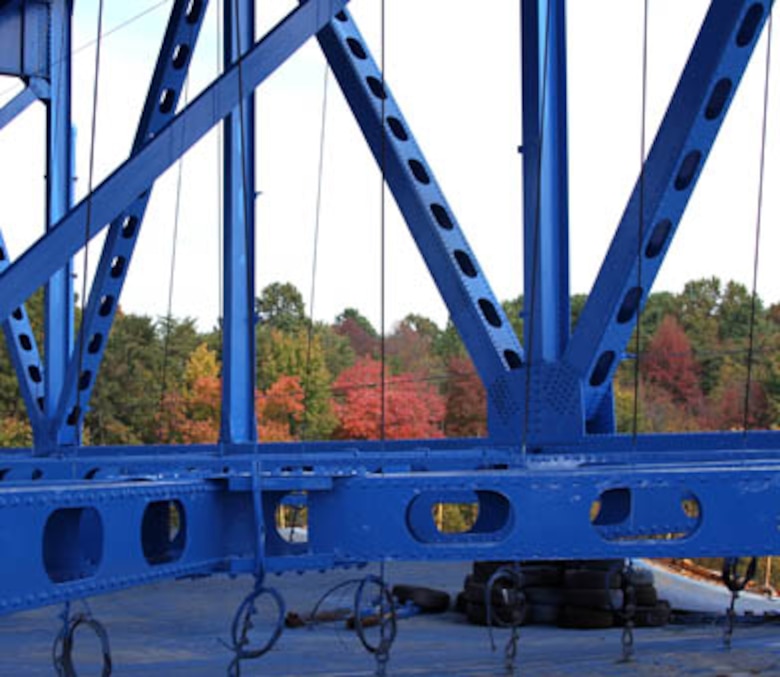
(280, 410)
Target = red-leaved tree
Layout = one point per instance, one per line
(413, 408)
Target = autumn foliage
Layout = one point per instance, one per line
(412, 407)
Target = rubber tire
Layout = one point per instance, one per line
(642, 576)
(653, 617)
(595, 564)
(604, 600)
(502, 617)
(482, 571)
(460, 603)
(585, 619)
(475, 592)
(546, 596)
(542, 575)
(590, 579)
(543, 614)
(645, 595)
(429, 600)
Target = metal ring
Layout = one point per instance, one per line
(243, 619)
(385, 641)
(65, 641)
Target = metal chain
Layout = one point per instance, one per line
(628, 612)
(731, 615)
(735, 583)
(514, 599)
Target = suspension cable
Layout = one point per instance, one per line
(383, 233)
(171, 277)
(90, 184)
(317, 218)
(759, 213)
(641, 221)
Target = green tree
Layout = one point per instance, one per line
(280, 306)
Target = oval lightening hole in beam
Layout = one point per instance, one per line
(17, 314)
(602, 368)
(94, 343)
(166, 101)
(85, 379)
(397, 128)
(25, 342)
(35, 373)
(441, 216)
(465, 263)
(747, 29)
(2, 254)
(630, 304)
(376, 87)
(513, 360)
(356, 48)
(117, 266)
(419, 171)
(658, 238)
(489, 312)
(718, 99)
(129, 226)
(193, 11)
(106, 304)
(342, 16)
(180, 54)
(73, 417)
(687, 170)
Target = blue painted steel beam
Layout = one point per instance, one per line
(237, 421)
(545, 181)
(58, 304)
(17, 105)
(136, 174)
(80, 538)
(159, 109)
(474, 309)
(701, 100)
(22, 349)
(24, 38)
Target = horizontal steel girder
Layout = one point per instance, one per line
(195, 514)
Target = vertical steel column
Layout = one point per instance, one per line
(545, 180)
(238, 348)
(58, 305)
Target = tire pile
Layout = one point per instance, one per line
(569, 594)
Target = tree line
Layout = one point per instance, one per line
(703, 359)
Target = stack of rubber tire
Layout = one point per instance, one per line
(570, 594)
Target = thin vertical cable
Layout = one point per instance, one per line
(172, 273)
(759, 212)
(90, 183)
(382, 229)
(317, 218)
(641, 222)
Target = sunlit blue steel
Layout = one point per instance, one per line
(24, 38)
(160, 107)
(136, 174)
(22, 349)
(698, 107)
(58, 303)
(17, 105)
(237, 421)
(99, 519)
(473, 307)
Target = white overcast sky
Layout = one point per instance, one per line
(453, 66)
